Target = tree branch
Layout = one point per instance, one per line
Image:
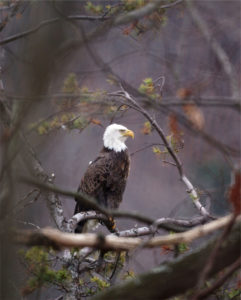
(220, 281)
(164, 223)
(143, 11)
(46, 23)
(119, 20)
(211, 259)
(216, 47)
(178, 276)
(53, 201)
(60, 240)
(178, 225)
(191, 190)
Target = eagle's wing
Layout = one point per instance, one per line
(94, 181)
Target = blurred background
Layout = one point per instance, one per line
(54, 77)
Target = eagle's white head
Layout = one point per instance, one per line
(115, 136)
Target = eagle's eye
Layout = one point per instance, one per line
(122, 130)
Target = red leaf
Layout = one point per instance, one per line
(166, 249)
(173, 126)
(128, 29)
(96, 121)
(194, 115)
(235, 193)
(184, 93)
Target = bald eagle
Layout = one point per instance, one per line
(106, 176)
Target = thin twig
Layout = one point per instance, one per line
(143, 11)
(48, 22)
(211, 259)
(191, 190)
(216, 47)
(146, 147)
(220, 281)
(28, 224)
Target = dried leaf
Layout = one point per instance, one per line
(128, 30)
(194, 115)
(18, 15)
(6, 135)
(166, 249)
(173, 126)
(184, 93)
(175, 138)
(147, 128)
(95, 121)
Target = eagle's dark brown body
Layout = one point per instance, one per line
(105, 180)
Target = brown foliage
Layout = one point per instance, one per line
(194, 115)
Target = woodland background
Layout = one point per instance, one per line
(56, 83)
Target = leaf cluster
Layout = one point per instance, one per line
(42, 273)
(147, 87)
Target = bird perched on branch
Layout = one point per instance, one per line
(106, 176)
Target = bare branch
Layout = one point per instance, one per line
(143, 11)
(211, 259)
(217, 102)
(53, 201)
(216, 47)
(141, 231)
(177, 276)
(193, 194)
(83, 216)
(165, 223)
(46, 23)
(60, 240)
(220, 281)
(119, 20)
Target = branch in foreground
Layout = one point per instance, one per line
(177, 276)
(211, 259)
(219, 282)
(60, 240)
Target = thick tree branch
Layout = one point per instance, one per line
(60, 240)
(178, 276)
(165, 223)
(178, 225)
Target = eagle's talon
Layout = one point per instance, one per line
(111, 225)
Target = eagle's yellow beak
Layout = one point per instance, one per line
(128, 133)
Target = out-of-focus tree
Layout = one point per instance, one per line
(170, 70)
